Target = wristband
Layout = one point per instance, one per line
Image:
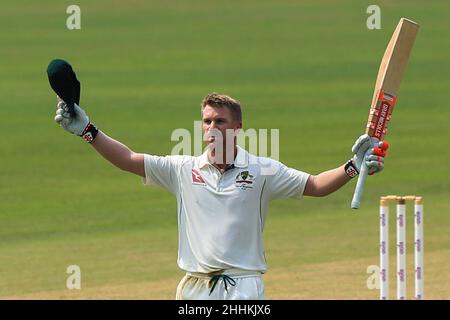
(350, 169)
(89, 133)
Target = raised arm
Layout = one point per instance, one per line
(112, 150)
(119, 154)
(329, 181)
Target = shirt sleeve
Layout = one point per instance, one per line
(162, 171)
(287, 183)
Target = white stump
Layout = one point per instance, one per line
(418, 247)
(384, 251)
(401, 251)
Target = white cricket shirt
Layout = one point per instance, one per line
(221, 215)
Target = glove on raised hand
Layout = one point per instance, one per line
(76, 123)
(369, 150)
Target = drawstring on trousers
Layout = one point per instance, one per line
(226, 280)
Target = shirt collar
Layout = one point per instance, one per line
(241, 160)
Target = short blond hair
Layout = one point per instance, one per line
(217, 100)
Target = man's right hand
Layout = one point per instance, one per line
(75, 123)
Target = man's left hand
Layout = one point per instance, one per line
(374, 159)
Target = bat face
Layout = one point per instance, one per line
(380, 115)
(390, 74)
(384, 98)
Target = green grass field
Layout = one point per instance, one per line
(304, 67)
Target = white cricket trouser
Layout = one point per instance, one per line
(231, 284)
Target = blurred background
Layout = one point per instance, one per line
(307, 68)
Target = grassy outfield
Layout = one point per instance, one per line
(304, 67)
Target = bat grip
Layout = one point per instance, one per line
(357, 195)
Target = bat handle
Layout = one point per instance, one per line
(356, 201)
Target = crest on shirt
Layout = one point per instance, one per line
(197, 178)
(244, 180)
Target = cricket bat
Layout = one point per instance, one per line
(387, 86)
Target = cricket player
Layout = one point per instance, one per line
(222, 196)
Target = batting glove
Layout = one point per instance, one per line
(76, 123)
(374, 159)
